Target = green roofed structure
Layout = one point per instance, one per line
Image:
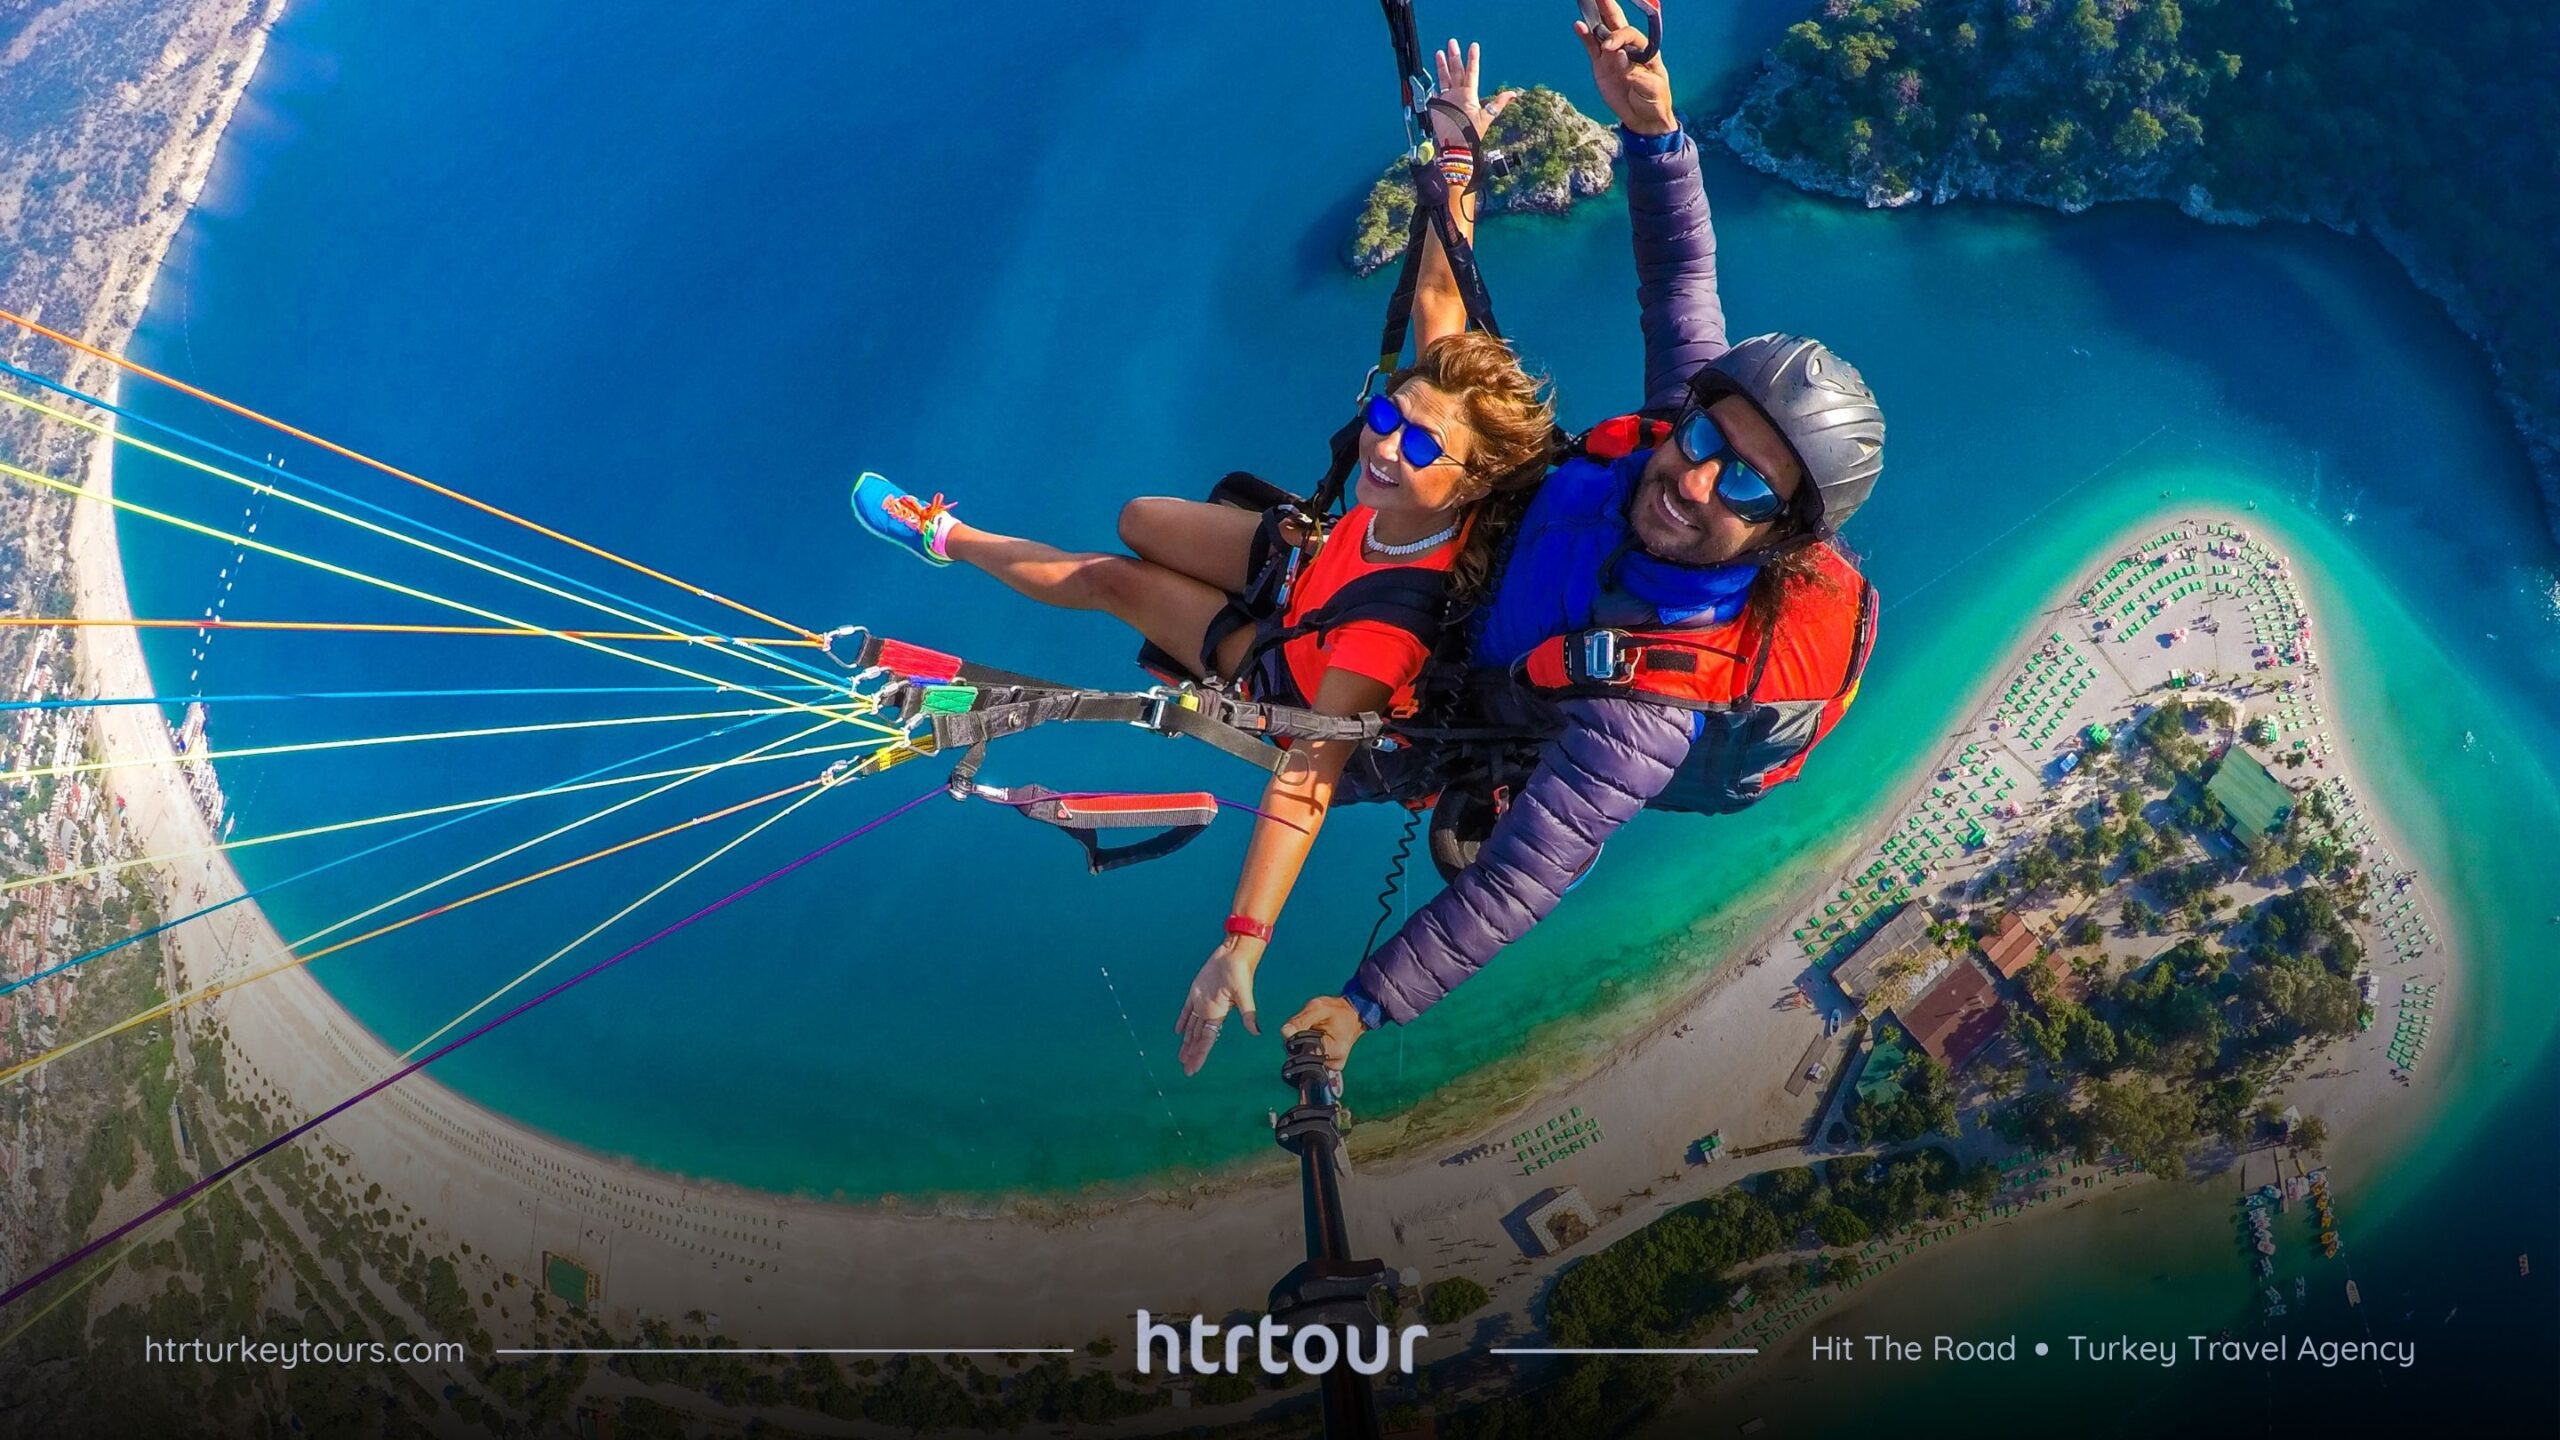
(1881, 1082)
(571, 1282)
(2256, 802)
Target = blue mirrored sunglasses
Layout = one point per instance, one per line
(1743, 489)
(1419, 447)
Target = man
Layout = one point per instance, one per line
(1673, 628)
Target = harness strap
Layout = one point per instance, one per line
(1235, 727)
(1431, 200)
(918, 664)
(1345, 447)
(1618, 658)
(1406, 596)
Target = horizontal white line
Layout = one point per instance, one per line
(1523, 1351)
(747, 1350)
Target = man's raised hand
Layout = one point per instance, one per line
(1639, 94)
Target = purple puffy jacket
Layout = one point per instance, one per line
(1613, 755)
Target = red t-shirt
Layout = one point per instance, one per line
(1390, 655)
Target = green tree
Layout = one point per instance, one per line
(1453, 1300)
(1838, 1225)
(2139, 134)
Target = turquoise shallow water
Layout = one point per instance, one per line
(668, 288)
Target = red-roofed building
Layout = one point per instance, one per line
(1956, 1017)
(2011, 946)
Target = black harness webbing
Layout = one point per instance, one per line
(1410, 599)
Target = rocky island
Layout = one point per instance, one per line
(2409, 122)
(1558, 156)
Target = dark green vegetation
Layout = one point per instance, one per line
(1453, 1300)
(2179, 1048)
(2433, 123)
(1557, 154)
(910, 1392)
(1665, 1284)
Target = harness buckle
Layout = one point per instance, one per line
(1602, 657)
(1160, 702)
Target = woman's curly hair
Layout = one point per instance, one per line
(1514, 425)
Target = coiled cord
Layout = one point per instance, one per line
(1393, 885)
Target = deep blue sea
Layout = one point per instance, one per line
(667, 279)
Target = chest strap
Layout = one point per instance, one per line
(1407, 597)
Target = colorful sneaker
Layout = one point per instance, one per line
(913, 525)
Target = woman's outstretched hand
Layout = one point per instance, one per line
(1458, 76)
(1224, 984)
(1640, 95)
(1332, 1017)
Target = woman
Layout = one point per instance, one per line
(1463, 423)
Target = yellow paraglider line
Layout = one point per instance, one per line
(218, 988)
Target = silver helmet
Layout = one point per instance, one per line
(1820, 404)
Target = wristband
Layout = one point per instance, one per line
(1247, 925)
(1457, 167)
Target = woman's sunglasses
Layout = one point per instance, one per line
(1419, 447)
(1743, 489)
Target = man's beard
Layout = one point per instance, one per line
(1666, 539)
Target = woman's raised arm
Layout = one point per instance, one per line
(1439, 307)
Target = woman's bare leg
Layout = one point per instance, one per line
(1206, 541)
(1166, 606)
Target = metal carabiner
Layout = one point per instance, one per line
(827, 643)
(1652, 29)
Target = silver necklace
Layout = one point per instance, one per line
(1400, 551)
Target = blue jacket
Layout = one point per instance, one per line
(1612, 755)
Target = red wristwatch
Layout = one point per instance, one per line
(1247, 925)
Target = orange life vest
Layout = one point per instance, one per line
(1772, 691)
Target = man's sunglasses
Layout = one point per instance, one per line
(1743, 489)
(1419, 447)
